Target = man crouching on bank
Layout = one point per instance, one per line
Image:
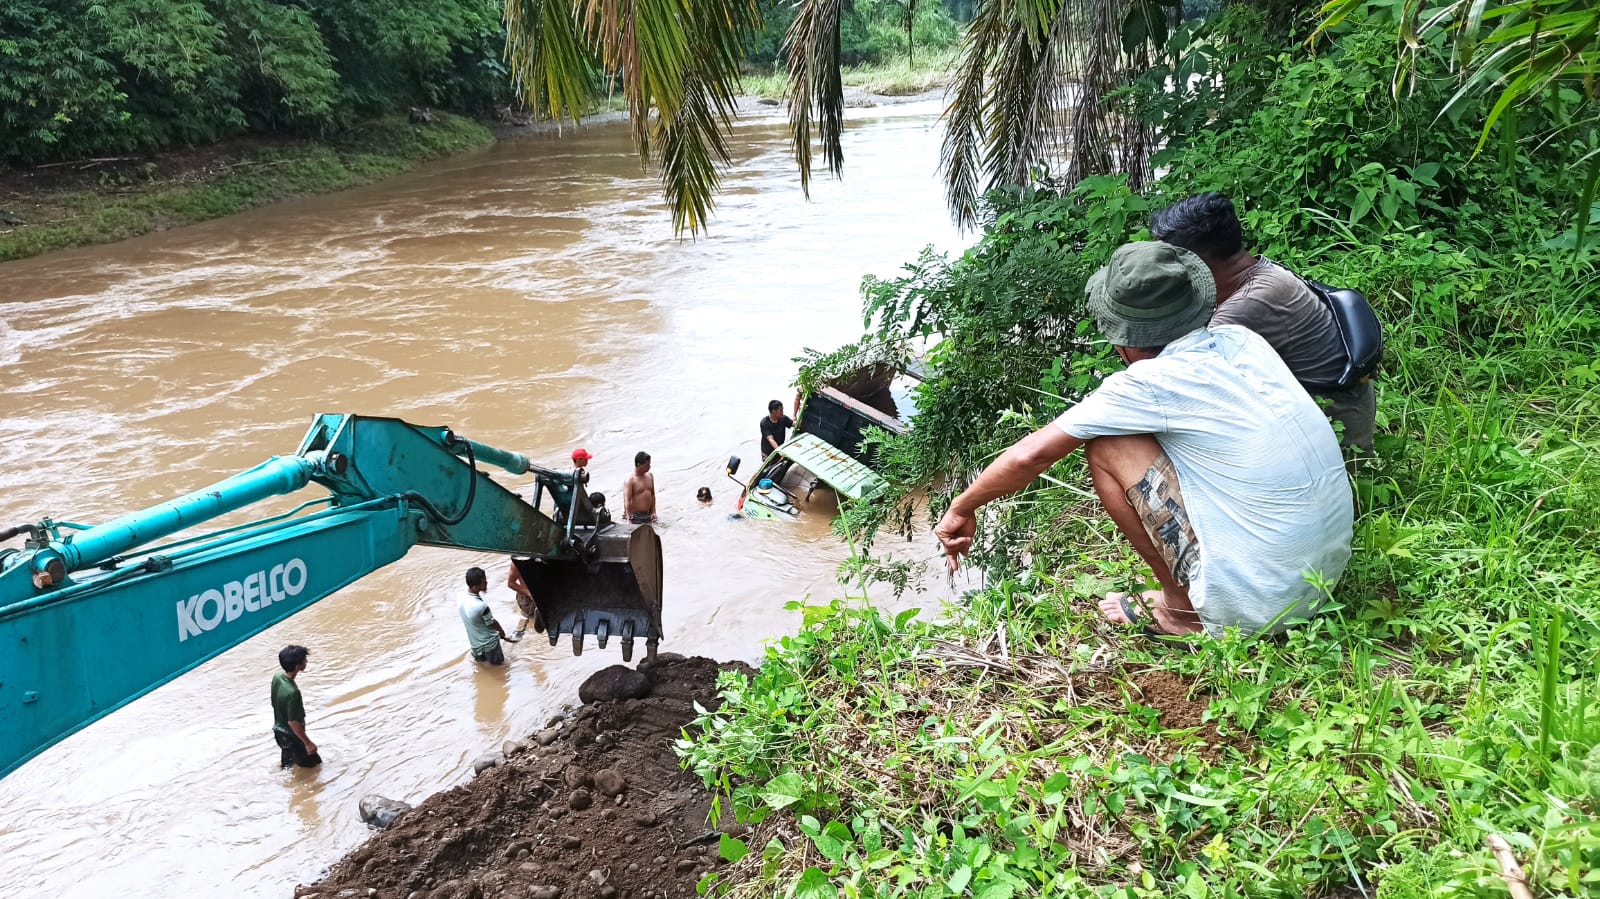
(1214, 463)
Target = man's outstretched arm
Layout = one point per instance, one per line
(1015, 469)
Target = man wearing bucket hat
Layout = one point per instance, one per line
(1216, 466)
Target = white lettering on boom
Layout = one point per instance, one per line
(203, 611)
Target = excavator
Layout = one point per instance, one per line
(93, 617)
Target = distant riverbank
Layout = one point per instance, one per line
(103, 200)
(98, 201)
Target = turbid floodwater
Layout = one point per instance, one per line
(531, 296)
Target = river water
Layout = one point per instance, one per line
(531, 296)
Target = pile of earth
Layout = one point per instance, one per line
(593, 807)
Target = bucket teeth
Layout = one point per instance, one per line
(607, 584)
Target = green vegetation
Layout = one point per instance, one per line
(129, 204)
(895, 78)
(81, 79)
(1016, 745)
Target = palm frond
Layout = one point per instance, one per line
(548, 55)
(961, 156)
(693, 144)
(814, 79)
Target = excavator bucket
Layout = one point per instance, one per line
(612, 590)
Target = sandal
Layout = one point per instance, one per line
(1135, 613)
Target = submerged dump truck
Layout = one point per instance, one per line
(92, 617)
(829, 445)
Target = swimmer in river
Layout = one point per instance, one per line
(639, 493)
(704, 496)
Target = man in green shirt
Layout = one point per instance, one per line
(289, 714)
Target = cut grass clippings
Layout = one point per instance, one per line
(137, 201)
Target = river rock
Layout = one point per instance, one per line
(547, 736)
(380, 812)
(485, 762)
(664, 658)
(579, 800)
(543, 891)
(613, 683)
(610, 781)
(513, 747)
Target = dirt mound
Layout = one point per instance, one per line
(595, 806)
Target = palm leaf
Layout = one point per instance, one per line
(814, 61)
(549, 56)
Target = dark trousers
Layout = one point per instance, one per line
(294, 751)
(494, 656)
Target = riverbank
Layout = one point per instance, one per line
(99, 201)
(104, 200)
(595, 804)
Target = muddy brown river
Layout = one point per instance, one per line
(532, 297)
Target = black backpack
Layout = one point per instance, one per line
(1359, 332)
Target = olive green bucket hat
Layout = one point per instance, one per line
(1151, 293)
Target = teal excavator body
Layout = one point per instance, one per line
(93, 617)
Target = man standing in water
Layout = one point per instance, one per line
(289, 714)
(773, 428)
(483, 632)
(639, 493)
(525, 604)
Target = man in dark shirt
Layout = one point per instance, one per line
(1259, 294)
(773, 428)
(289, 714)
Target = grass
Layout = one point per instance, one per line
(896, 78)
(1018, 746)
(127, 206)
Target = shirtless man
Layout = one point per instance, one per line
(525, 604)
(639, 494)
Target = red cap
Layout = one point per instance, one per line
(580, 453)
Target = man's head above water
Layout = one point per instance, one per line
(775, 410)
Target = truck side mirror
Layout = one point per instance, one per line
(733, 465)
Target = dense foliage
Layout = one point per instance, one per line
(1446, 703)
(81, 78)
(871, 31)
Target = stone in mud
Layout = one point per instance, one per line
(665, 658)
(543, 891)
(610, 781)
(574, 777)
(613, 683)
(579, 800)
(547, 736)
(513, 747)
(380, 812)
(484, 762)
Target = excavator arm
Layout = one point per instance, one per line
(91, 618)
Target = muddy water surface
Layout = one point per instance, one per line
(530, 296)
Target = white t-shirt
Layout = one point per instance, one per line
(1257, 463)
(479, 620)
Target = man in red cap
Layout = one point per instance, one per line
(581, 457)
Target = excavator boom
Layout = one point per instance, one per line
(94, 617)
